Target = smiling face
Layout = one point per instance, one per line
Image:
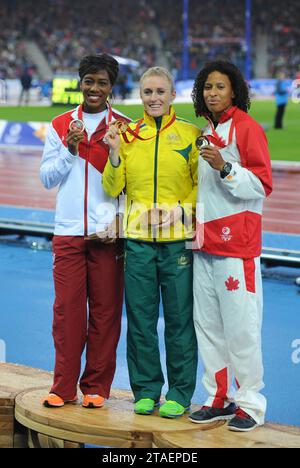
(218, 93)
(95, 88)
(157, 95)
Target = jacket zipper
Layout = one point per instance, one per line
(158, 127)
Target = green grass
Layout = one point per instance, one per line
(284, 144)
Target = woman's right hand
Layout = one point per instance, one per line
(73, 139)
(112, 138)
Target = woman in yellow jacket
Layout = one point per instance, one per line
(155, 161)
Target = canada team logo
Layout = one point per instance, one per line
(226, 234)
(232, 284)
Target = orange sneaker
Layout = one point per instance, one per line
(92, 401)
(54, 401)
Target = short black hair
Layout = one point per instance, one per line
(95, 63)
(238, 83)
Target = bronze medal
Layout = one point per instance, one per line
(202, 141)
(77, 124)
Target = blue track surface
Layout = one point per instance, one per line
(26, 321)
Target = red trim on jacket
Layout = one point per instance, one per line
(94, 152)
(238, 235)
(253, 148)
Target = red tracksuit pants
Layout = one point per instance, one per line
(88, 279)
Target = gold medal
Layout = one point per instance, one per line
(121, 125)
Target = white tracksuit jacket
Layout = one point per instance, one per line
(82, 206)
(227, 279)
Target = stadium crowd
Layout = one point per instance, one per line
(65, 30)
(208, 39)
(281, 23)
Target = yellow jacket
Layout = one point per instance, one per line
(157, 173)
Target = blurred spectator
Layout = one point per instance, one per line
(281, 97)
(125, 84)
(26, 81)
(3, 85)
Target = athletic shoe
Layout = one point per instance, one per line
(54, 401)
(209, 414)
(92, 401)
(242, 422)
(172, 409)
(145, 406)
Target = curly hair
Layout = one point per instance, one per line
(95, 63)
(238, 83)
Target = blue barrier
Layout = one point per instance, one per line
(29, 134)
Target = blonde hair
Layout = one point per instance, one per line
(158, 71)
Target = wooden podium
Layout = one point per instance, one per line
(25, 422)
(114, 425)
(13, 380)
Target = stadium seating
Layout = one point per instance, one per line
(65, 30)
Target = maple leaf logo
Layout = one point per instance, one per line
(232, 284)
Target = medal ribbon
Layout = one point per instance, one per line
(135, 132)
(215, 137)
(108, 117)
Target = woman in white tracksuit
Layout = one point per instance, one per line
(234, 178)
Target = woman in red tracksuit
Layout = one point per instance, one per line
(88, 274)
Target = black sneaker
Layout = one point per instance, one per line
(208, 414)
(242, 422)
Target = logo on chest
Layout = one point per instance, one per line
(173, 138)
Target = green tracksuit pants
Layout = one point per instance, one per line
(154, 270)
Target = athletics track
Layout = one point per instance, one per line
(27, 289)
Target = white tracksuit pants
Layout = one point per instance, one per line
(228, 318)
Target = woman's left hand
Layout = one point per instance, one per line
(113, 230)
(212, 155)
(110, 234)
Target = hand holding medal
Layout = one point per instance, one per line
(112, 136)
(210, 153)
(75, 135)
(77, 125)
(202, 141)
(113, 140)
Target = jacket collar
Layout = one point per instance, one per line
(227, 115)
(103, 125)
(150, 121)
